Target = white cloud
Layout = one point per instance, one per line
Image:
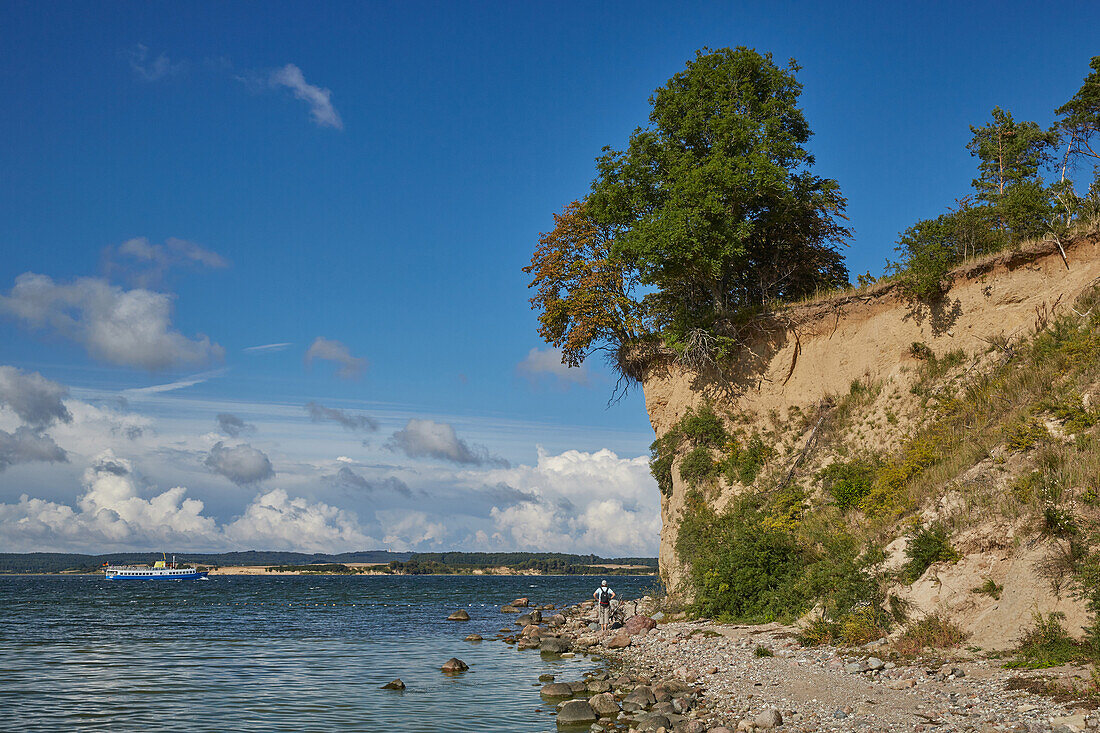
(173, 386)
(274, 521)
(430, 439)
(333, 350)
(151, 69)
(406, 530)
(242, 464)
(112, 515)
(145, 264)
(125, 327)
(36, 400)
(587, 502)
(547, 362)
(318, 99)
(267, 348)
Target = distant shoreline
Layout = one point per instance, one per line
(264, 571)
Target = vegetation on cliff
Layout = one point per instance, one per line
(710, 214)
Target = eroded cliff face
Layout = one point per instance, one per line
(867, 335)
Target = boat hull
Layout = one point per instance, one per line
(198, 574)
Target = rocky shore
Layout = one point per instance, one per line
(699, 677)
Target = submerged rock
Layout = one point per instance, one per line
(397, 684)
(454, 664)
(557, 689)
(576, 712)
(473, 637)
(459, 615)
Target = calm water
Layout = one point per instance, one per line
(269, 653)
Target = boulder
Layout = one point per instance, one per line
(619, 641)
(557, 689)
(637, 624)
(655, 722)
(454, 664)
(508, 609)
(531, 630)
(690, 726)
(546, 678)
(576, 712)
(605, 705)
(459, 615)
(524, 620)
(769, 718)
(536, 616)
(874, 663)
(598, 686)
(640, 697)
(521, 602)
(473, 637)
(553, 645)
(397, 684)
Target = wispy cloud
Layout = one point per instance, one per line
(320, 413)
(151, 69)
(318, 98)
(333, 350)
(173, 386)
(267, 348)
(547, 363)
(145, 264)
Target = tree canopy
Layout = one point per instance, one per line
(712, 211)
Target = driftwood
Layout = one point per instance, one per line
(810, 443)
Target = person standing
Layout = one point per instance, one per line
(603, 596)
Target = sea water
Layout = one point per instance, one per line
(276, 653)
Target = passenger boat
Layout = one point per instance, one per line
(160, 570)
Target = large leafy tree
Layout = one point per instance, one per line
(1010, 155)
(715, 201)
(585, 295)
(1079, 120)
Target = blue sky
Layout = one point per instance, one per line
(376, 175)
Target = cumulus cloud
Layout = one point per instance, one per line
(36, 400)
(145, 264)
(232, 425)
(349, 479)
(430, 439)
(150, 69)
(125, 327)
(586, 502)
(27, 445)
(274, 521)
(112, 514)
(405, 530)
(318, 99)
(320, 413)
(547, 362)
(242, 464)
(333, 350)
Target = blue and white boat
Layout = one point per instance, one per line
(160, 570)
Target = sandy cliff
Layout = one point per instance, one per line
(868, 335)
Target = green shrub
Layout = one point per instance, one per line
(989, 588)
(1048, 644)
(698, 466)
(763, 651)
(849, 482)
(700, 428)
(743, 463)
(927, 545)
(1026, 434)
(936, 631)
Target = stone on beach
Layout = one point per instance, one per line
(454, 664)
(397, 684)
(619, 641)
(576, 712)
(605, 705)
(638, 624)
(553, 645)
(557, 689)
(769, 718)
(459, 615)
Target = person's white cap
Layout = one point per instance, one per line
(603, 583)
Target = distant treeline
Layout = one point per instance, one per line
(56, 562)
(397, 562)
(548, 563)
